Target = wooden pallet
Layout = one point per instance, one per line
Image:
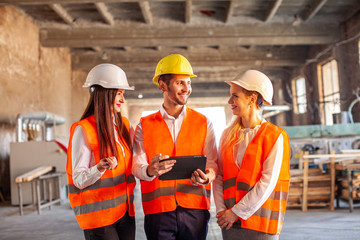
(311, 187)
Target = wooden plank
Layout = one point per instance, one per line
(313, 191)
(340, 155)
(354, 194)
(62, 12)
(305, 186)
(229, 10)
(26, 177)
(272, 10)
(314, 9)
(332, 175)
(188, 11)
(323, 177)
(103, 10)
(311, 198)
(355, 182)
(145, 10)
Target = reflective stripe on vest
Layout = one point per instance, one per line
(108, 199)
(163, 196)
(238, 182)
(169, 191)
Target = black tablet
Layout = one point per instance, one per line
(184, 167)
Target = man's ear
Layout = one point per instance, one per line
(162, 86)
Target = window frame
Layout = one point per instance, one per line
(326, 117)
(296, 96)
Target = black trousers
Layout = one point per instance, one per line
(122, 229)
(181, 224)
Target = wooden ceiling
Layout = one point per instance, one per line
(220, 38)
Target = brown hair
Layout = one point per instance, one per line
(166, 78)
(101, 106)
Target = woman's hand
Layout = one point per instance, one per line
(108, 163)
(226, 219)
(157, 168)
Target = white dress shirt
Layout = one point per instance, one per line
(140, 161)
(85, 171)
(254, 199)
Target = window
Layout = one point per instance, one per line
(330, 90)
(299, 92)
(217, 117)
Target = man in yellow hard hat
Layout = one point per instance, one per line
(174, 209)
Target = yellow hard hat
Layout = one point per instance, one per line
(173, 64)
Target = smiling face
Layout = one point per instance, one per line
(178, 90)
(119, 99)
(239, 101)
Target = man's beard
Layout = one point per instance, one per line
(176, 98)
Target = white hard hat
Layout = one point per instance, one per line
(108, 76)
(253, 80)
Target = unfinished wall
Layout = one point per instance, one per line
(346, 53)
(79, 95)
(32, 78)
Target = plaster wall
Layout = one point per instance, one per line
(32, 79)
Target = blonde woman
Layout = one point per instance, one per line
(254, 155)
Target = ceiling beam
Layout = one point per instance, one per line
(272, 10)
(229, 11)
(62, 12)
(188, 11)
(314, 9)
(292, 56)
(145, 10)
(184, 41)
(37, 2)
(151, 36)
(84, 64)
(108, 17)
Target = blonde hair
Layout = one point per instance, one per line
(230, 133)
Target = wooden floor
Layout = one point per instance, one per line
(60, 224)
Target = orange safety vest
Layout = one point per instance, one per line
(163, 196)
(108, 199)
(238, 182)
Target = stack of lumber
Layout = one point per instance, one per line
(318, 193)
(355, 187)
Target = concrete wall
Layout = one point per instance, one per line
(79, 95)
(32, 78)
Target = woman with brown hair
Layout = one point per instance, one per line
(101, 185)
(250, 191)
